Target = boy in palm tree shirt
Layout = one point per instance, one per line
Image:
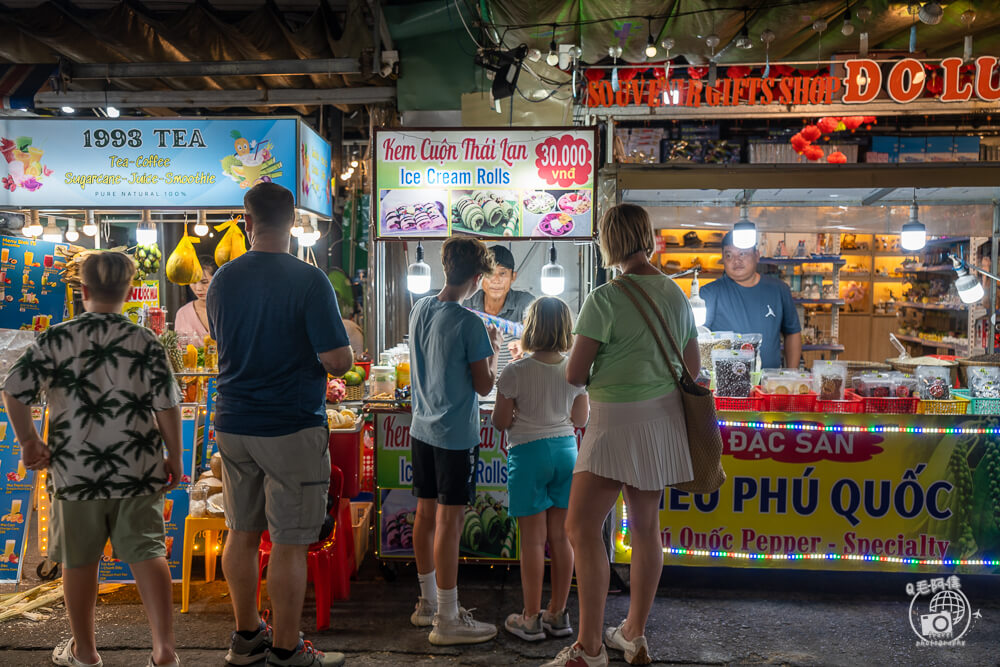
(112, 397)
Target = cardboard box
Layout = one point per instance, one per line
(967, 149)
(887, 146)
(913, 149)
(940, 149)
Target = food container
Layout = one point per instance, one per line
(786, 381)
(751, 342)
(978, 360)
(829, 381)
(713, 340)
(984, 381)
(732, 372)
(906, 385)
(876, 385)
(934, 383)
(382, 380)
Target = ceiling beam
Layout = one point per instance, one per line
(876, 195)
(212, 68)
(281, 97)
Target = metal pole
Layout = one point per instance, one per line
(991, 312)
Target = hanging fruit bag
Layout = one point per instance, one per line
(232, 244)
(183, 266)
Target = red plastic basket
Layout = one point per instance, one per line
(751, 403)
(851, 405)
(786, 402)
(889, 406)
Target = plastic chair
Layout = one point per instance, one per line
(319, 558)
(211, 526)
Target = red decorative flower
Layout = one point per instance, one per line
(836, 157)
(811, 133)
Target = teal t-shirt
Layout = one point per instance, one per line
(444, 339)
(629, 365)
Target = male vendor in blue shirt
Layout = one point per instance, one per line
(744, 301)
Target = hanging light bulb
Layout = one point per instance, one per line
(113, 112)
(847, 29)
(51, 232)
(145, 231)
(744, 231)
(418, 274)
(650, 42)
(967, 17)
(309, 235)
(89, 226)
(553, 280)
(201, 227)
(534, 55)
(914, 234)
(712, 41)
(970, 290)
(615, 52)
(68, 109)
(34, 227)
(552, 59)
(931, 13)
(698, 306)
(743, 41)
(767, 36)
(71, 234)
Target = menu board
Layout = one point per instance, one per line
(175, 510)
(208, 437)
(314, 172)
(16, 483)
(491, 183)
(32, 296)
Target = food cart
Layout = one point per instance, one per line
(533, 188)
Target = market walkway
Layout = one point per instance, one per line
(715, 619)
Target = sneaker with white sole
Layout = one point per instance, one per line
(528, 629)
(636, 650)
(250, 651)
(306, 656)
(557, 625)
(175, 663)
(63, 655)
(423, 614)
(463, 629)
(575, 656)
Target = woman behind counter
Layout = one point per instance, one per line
(192, 319)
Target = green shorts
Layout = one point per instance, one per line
(80, 529)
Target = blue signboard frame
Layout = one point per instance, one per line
(16, 486)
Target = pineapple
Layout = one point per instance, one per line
(169, 341)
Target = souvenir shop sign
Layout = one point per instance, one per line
(842, 499)
(147, 162)
(864, 81)
(32, 296)
(491, 183)
(16, 483)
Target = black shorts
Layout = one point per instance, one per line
(446, 475)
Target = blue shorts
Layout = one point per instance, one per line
(539, 474)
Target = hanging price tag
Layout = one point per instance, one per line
(565, 161)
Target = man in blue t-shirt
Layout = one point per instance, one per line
(745, 302)
(279, 333)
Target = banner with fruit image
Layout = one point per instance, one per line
(154, 162)
(16, 484)
(843, 492)
(500, 183)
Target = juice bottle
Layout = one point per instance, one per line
(211, 355)
(402, 374)
(191, 358)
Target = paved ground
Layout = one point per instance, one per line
(700, 618)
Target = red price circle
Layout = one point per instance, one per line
(564, 161)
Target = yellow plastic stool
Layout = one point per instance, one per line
(211, 526)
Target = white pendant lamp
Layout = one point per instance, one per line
(914, 233)
(418, 274)
(744, 231)
(698, 305)
(553, 280)
(145, 231)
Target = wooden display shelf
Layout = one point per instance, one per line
(931, 306)
(820, 302)
(680, 250)
(931, 343)
(822, 348)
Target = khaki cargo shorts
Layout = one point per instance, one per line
(279, 484)
(80, 529)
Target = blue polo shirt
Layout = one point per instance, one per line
(766, 308)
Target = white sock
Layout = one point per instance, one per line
(448, 602)
(428, 586)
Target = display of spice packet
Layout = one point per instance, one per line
(934, 383)
(749, 341)
(984, 381)
(786, 381)
(906, 385)
(829, 380)
(732, 372)
(713, 340)
(506, 327)
(876, 385)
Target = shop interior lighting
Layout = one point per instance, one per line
(298, 229)
(698, 305)
(553, 277)
(931, 13)
(313, 232)
(201, 227)
(418, 274)
(145, 231)
(744, 231)
(52, 232)
(68, 109)
(307, 239)
(743, 41)
(650, 41)
(34, 226)
(552, 59)
(113, 112)
(970, 289)
(847, 29)
(534, 55)
(71, 234)
(89, 226)
(914, 234)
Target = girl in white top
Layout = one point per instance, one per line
(540, 410)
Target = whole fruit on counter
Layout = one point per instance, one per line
(353, 379)
(336, 390)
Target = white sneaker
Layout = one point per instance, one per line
(558, 624)
(530, 630)
(575, 656)
(63, 655)
(463, 629)
(636, 651)
(423, 614)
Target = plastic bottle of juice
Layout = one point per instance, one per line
(191, 358)
(211, 355)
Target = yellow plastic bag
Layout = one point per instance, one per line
(183, 266)
(232, 244)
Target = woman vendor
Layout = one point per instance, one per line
(192, 319)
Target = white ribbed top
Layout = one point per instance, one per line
(543, 399)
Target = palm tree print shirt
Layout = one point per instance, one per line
(104, 377)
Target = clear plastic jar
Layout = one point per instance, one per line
(382, 380)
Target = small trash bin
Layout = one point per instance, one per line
(345, 450)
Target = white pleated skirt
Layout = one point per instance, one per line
(642, 444)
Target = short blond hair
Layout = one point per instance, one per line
(463, 257)
(548, 326)
(623, 231)
(108, 275)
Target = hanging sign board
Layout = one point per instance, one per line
(864, 81)
(154, 162)
(32, 296)
(314, 172)
(16, 482)
(492, 183)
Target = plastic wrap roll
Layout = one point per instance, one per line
(491, 209)
(470, 213)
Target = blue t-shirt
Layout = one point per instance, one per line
(766, 308)
(444, 339)
(272, 314)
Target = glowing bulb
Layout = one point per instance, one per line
(145, 233)
(72, 236)
(650, 48)
(553, 58)
(90, 227)
(200, 229)
(744, 231)
(68, 109)
(553, 278)
(847, 29)
(914, 233)
(113, 112)
(418, 274)
(354, 164)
